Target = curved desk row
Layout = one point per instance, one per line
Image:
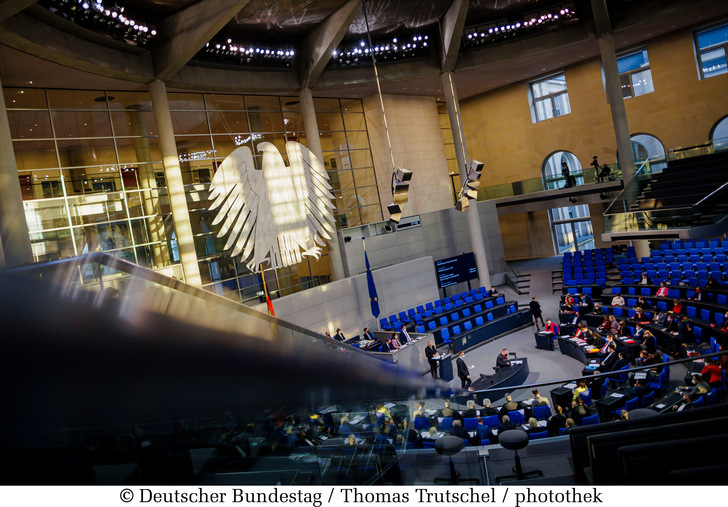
(501, 382)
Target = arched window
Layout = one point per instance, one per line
(646, 147)
(571, 226)
(719, 134)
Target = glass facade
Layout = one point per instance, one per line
(549, 98)
(711, 50)
(91, 175)
(635, 74)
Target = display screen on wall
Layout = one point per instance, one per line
(454, 270)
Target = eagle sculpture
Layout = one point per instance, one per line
(278, 214)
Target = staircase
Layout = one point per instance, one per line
(557, 281)
(523, 283)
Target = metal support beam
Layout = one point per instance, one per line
(318, 46)
(461, 154)
(185, 33)
(314, 144)
(453, 25)
(10, 8)
(14, 236)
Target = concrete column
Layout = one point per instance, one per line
(14, 236)
(614, 88)
(314, 144)
(175, 187)
(461, 153)
(641, 248)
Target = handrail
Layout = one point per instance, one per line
(710, 194)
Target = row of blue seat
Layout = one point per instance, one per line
(447, 334)
(700, 243)
(395, 321)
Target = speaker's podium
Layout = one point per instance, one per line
(445, 367)
(544, 340)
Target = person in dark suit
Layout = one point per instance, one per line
(339, 336)
(685, 331)
(506, 425)
(487, 409)
(639, 390)
(484, 432)
(432, 356)
(404, 336)
(458, 430)
(536, 312)
(556, 422)
(502, 360)
(611, 358)
(367, 335)
(470, 411)
(387, 346)
(463, 372)
(509, 406)
(578, 410)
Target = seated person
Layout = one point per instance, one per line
(458, 430)
(660, 317)
(609, 360)
(606, 325)
(578, 410)
(568, 304)
(470, 411)
(677, 306)
(615, 366)
(581, 387)
(712, 283)
(581, 330)
(639, 332)
(394, 341)
(604, 351)
(419, 411)
(493, 292)
(646, 359)
(533, 426)
(671, 325)
(506, 425)
(623, 329)
(613, 324)
(639, 315)
(685, 331)
(484, 432)
(643, 303)
(699, 387)
(550, 327)
(649, 343)
(685, 404)
(450, 412)
(387, 346)
(509, 406)
(598, 310)
(556, 421)
(570, 423)
(618, 300)
(645, 280)
(662, 291)
(487, 409)
(586, 301)
(595, 339)
(698, 296)
(537, 399)
(711, 372)
(639, 390)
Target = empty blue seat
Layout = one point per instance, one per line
(516, 417)
(455, 330)
(420, 309)
(489, 304)
(445, 335)
(722, 299)
(632, 290)
(454, 316)
(384, 324)
(458, 303)
(467, 326)
(443, 321)
(500, 301)
(617, 311)
(489, 316)
(719, 318)
(420, 329)
(466, 312)
(631, 302)
(691, 311)
(542, 412)
(432, 325)
(479, 321)
(538, 435)
(437, 303)
(698, 333)
(586, 290)
(445, 423)
(705, 314)
(662, 305)
(645, 291)
(673, 293)
(592, 419)
(477, 308)
(447, 300)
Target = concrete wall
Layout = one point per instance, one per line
(345, 303)
(443, 234)
(499, 131)
(414, 128)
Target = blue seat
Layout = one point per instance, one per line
(447, 300)
(631, 290)
(662, 380)
(411, 313)
(443, 321)
(477, 308)
(563, 431)
(536, 436)
(705, 314)
(432, 325)
(470, 423)
(719, 318)
(384, 324)
(422, 423)
(648, 399)
(617, 311)
(489, 316)
(592, 419)
(631, 302)
(722, 299)
(700, 402)
(455, 330)
(467, 326)
(489, 304)
(445, 423)
(458, 303)
(542, 412)
(516, 417)
(479, 321)
(445, 335)
(632, 404)
(466, 312)
(644, 291)
(586, 290)
(420, 309)
(691, 311)
(454, 316)
(491, 421)
(698, 333)
(662, 305)
(500, 301)
(437, 302)
(403, 317)
(428, 445)
(420, 329)
(586, 397)
(711, 398)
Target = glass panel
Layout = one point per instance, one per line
(293, 122)
(41, 184)
(52, 245)
(626, 84)
(222, 102)
(86, 152)
(230, 122)
(265, 121)
(352, 105)
(360, 158)
(194, 148)
(720, 135)
(299, 137)
(97, 208)
(81, 124)
(145, 203)
(642, 82)
(25, 98)
(226, 144)
(365, 177)
(633, 61)
(544, 109)
(45, 214)
(564, 238)
(713, 36)
(29, 124)
(325, 105)
(190, 122)
(367, 195)
(35, 154)
(262, 103)
(371, 214)
(92, 180)
(130, 101)
(77, 99)
(292, 104)
(714, 62)
(354, 121)
(186, 101)
(561, 103)
(138, 149)
(345, 198)
(328, 121)
(358, 141)
(548, 86)
(134, 123)
(584, 235)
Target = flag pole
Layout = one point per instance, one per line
(265, 289)
(373, 297)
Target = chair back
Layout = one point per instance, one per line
(592, 419)
(422, 423)
(445, 423)
(540, 434)
(470, 423)
(542, 412)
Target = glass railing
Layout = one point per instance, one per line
(587, 176)
(707, 148)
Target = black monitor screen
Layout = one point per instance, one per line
(454, 270)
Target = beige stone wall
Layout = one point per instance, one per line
(414, 128)
(499, 131)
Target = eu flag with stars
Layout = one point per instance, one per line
(373, 299)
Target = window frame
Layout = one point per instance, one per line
(630, 73)
(700, 51)
(533, 99)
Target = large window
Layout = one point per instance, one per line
(719, 134)
(711, 49)
(91, 175)
(549, 98)
(571, 226)
(635, 74)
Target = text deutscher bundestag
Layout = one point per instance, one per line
(515, 497)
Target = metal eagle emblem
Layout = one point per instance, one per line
(278, 214)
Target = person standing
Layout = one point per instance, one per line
(566, 174)
(536, 312)
(432, 356)
(463, 372)
(597, 169)
(502, 360)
